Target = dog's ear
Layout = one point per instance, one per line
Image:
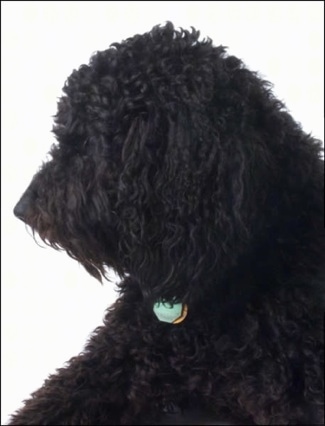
(174, 205)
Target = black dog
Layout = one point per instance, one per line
(176, 166)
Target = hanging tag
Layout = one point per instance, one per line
(173, 313)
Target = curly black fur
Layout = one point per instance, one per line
(178, 167)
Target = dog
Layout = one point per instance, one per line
(176, 165)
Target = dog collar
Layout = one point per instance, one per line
(173, 313)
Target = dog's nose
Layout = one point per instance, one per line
(24, 204)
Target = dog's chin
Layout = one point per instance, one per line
(45, 234)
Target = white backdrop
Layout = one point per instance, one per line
(49, 303)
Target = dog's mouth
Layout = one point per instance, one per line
(81, 245)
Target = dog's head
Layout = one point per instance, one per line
(173, 162)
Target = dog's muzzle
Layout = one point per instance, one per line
(24, 204)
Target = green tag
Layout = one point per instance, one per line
(172, 313)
